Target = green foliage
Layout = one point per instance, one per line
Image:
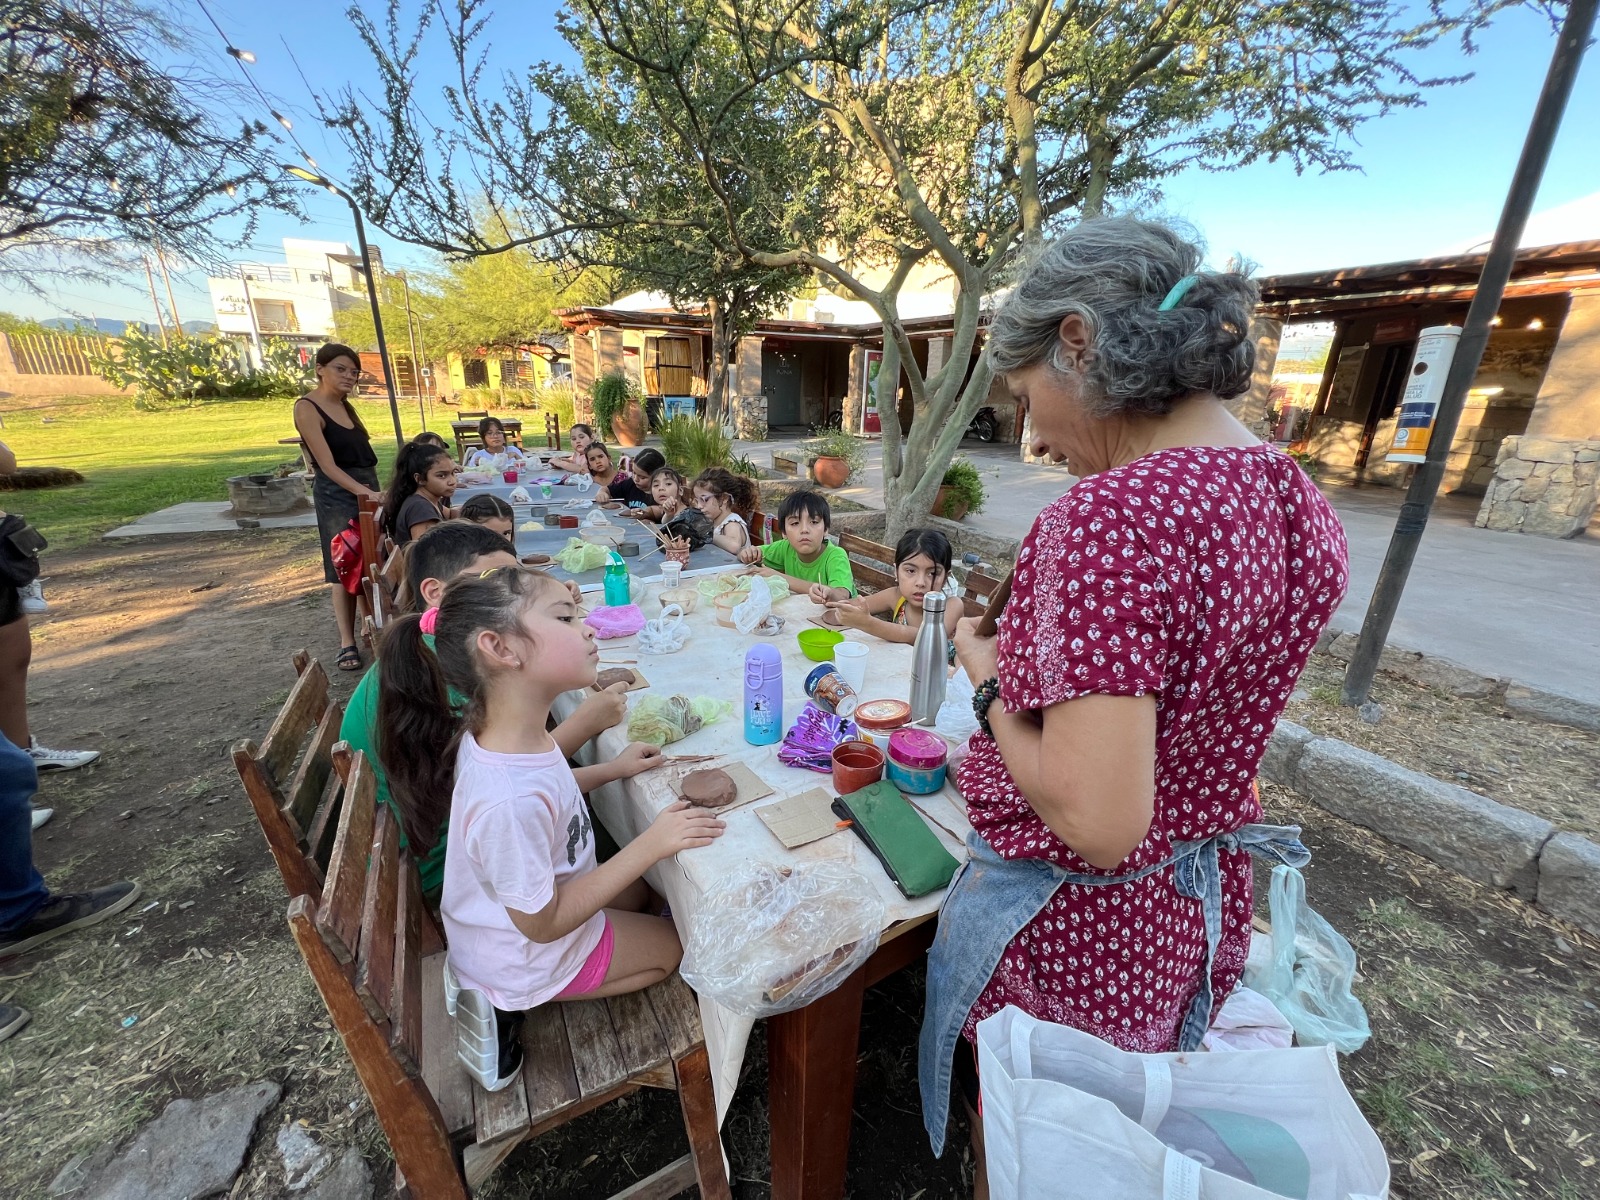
(836, 443)
(743, 464)
(609, 395)
(11, 323)
(190, 369)
(1307, 460)
(961, 477)
(692, 444)
(562, 400)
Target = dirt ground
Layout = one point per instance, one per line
(1482, 1078)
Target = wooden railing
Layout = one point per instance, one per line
(53, 353)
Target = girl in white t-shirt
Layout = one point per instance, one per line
(729, 502)
(529, 914)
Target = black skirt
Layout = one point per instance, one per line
(336, 508)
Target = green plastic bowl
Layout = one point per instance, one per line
(818, 644)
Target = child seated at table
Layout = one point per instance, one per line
(492, 513)
(429, 438)
(805, 555)
(496, 454)
(666, 495)
(729, 503)
(921, 565)
(576, 462)
(529, 914)
(449, 550)
(629, 483)
(419, 494)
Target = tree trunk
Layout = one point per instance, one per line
(717, 383)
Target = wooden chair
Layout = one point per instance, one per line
(297, 819)
(361, 943)
(384, 584)
(976, 590)
(552, 431)
(868, 560)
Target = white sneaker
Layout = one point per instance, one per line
(32, 597)
(41, 817)
(488, 1045)
(46, 759)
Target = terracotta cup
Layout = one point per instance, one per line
(855, 766)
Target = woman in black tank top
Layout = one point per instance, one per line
(346, 472)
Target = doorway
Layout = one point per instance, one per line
(780, 384)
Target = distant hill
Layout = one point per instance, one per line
(113, 327)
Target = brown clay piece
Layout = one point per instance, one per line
(613, 675)
(709, 788)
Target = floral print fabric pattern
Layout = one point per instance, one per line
(1201, 576)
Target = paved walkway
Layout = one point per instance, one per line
(1527, 608)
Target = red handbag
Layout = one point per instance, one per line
(345, 551)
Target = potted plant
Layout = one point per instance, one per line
(960, 491)
(836, 456)
(617, 410)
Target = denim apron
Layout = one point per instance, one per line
(992, 899)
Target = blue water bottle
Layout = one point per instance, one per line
(616, 580)
(763, 695)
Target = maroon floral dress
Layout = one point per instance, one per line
(1201, 576)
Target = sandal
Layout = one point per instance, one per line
(349, 658)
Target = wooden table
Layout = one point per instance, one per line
(811, 1051)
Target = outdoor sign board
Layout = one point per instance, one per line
(1419, 403)
(870, 422)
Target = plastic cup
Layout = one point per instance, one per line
(671, 573)
(510, 476)
(544, 490)
(851, 659)
(856, 765)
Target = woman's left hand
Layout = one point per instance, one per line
(978, 655)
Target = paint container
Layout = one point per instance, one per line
(829, 691)
(856, 765)
(917, 759)
(552, 520)
(567, 522)
(882, 716)
(628, 549)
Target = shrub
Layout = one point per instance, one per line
(610, 395)
(691, 445)
(961, 477)
(562, 400)
(190, 369)
(835, 443)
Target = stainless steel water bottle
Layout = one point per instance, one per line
(930, 662)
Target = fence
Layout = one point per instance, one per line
(53, 353)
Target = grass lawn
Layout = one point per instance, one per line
(136, 462)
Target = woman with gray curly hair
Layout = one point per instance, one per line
(1160, 613)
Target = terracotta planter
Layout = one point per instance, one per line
(949, 504)
(628, 425)
(830, 472)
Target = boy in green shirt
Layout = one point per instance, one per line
(805, 555)
(449, 549)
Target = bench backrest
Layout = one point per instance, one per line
(297, 817)
(865, 555)
(384, 584)
(976, 590)
(552, 431)
(362, 943)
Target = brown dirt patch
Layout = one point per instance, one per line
(1549, 770)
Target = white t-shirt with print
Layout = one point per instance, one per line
(518, 829)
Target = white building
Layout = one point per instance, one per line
(293, 300)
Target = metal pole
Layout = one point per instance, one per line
(416, 364)
(1413, 519)
(150, 278)
(250, 308)
(172, 303)
(377, 321)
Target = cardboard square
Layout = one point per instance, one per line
(639, 681)
(802, 819)
(749, 784)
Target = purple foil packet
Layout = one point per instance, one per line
(810, 741)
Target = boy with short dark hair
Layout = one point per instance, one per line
(805, 555)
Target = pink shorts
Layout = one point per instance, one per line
(593, 972)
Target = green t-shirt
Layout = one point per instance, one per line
(831, 567)
(360, 729)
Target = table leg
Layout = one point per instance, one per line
(811, 1067)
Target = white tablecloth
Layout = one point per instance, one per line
(711, 664)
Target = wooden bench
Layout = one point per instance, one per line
(384, 584)
(552, 432)
(864, 554)
(362, 944)
(976, 590)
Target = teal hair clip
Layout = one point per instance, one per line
(1178, 292)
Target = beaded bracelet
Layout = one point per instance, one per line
(983, 696)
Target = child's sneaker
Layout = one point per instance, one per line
(488, 1040)
(45, 759)
(32, 597)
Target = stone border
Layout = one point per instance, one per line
(1528, 703)
(1471, 834)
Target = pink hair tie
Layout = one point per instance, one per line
(430, 618)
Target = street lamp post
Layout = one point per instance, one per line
(372, 289)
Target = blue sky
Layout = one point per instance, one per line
(1433, 179)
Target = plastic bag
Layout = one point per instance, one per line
(662, 719)
(692, 525)
(580, 556)
(621, 620)
(773, 939)
(1311, 970)
(665, 634)
(715, 587)
(811, 739)
(955, 719)
(1249, 1021)
(519, 495)
(752, 610)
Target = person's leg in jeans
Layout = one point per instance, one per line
(22, 889)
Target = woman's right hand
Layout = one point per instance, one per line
(372, 497)
(681, 826)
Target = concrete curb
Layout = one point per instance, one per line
(1471, 834)
(1528, 703)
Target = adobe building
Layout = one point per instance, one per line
(1529, 437)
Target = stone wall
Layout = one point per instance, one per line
(749, 401)
(1545, 486)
